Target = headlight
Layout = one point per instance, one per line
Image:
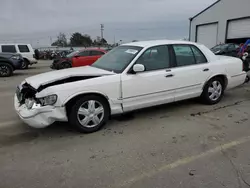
(217, 52)
(48, 100)
(29, 103)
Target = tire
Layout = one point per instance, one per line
(65, 65)
(25, 64)
(6, 70)
(213, 91)
(247, 79)
(89, 114)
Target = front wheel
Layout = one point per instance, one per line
(65, 65)
(213, 91)
(89, 114)
(5, 70)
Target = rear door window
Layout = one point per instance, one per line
(9, 48)
(23, 48)
(184, 55)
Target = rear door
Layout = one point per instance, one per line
(191, 71)
(95, 54)
(25, 51)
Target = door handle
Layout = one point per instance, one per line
(205, 70)
(169, 75)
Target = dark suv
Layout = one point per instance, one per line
(9, 62)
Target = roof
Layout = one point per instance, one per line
(156, 42)
(205, 9)
(95, 49)
(14, 44)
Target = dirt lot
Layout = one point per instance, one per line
(179, 145)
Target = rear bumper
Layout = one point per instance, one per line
(32, 61)
(236, 80)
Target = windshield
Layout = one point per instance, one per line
(117, 59)
(219, 47)
(72, 54)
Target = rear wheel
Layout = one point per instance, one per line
(89, 114)
(213, 91)
(6, 70)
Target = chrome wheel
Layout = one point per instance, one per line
(215, 90)
(90, 113)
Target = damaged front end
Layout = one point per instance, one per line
(37, 112)
(26, 94)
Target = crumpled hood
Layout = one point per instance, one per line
(53, 76)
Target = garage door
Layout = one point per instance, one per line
(238, 29)
(207, 34)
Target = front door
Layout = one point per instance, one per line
(191, 71)
(154, 86)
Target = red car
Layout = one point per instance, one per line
(87, 57)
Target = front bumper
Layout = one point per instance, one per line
(40, 117)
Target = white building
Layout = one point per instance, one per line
(224, 21)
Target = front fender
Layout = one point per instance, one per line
(83, 93)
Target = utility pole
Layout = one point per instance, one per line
(102, 29)
(50, 38)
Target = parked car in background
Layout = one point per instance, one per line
(25, 50)
(86, 57)
(130, 77)
(226, 49)
(9, 62)
(63, 62)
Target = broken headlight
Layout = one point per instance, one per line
(48, 100)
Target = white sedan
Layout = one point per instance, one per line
(130, 77)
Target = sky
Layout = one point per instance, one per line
(39, 21)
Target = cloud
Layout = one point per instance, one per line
(38, 20)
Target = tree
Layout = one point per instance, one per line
(100, 41)
(61, 40)
(103, 41)
(77, 39)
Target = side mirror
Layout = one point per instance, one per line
(138, 68)
(76, 56)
